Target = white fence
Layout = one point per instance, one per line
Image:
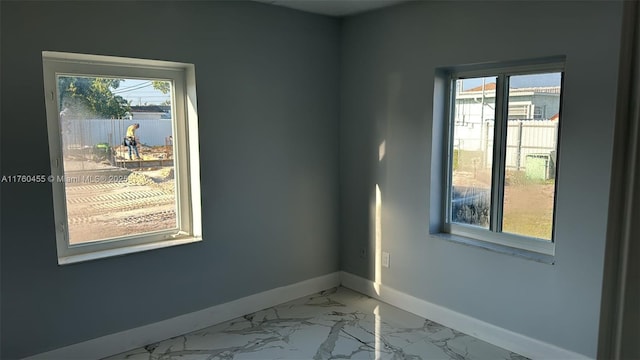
(524, 137)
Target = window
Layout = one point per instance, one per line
(123, 139)
(500, 183)
(538, 113)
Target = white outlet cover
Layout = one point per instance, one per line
(385, 259)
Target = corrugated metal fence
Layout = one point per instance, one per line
(89, 132)
(524, 138)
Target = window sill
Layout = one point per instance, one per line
(498, 248)
(71, 259)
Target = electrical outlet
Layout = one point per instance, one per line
(385, 259)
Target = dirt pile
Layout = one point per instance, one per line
(166, 174)
(139, 179)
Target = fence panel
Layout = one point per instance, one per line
(82, 133)
(527, 138)
(524, 137)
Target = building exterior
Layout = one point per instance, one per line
(150, 112)
(532, 127)
(474, 105)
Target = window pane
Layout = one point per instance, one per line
(472, 150)
(118, 175)
(532, 138)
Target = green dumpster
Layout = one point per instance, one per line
(539, 167)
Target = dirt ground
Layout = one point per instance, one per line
(121, 152)
(528, 205)
(120, 207)
(528, 210)
(104, 201)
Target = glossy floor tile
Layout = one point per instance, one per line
(334, 324)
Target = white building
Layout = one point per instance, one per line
(150, 112)
(532, 103)
(532, 128)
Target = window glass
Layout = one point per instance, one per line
(472, 149)
(117, 147)
(531, 148)
(502, 155)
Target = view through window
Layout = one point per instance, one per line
(125, 163)
(503, 158)
(117, 156)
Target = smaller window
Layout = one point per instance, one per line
(124, 148)
(501, 174)
(538, 112)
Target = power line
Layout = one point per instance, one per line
(132, 86)
(153, 96)
(131, 89)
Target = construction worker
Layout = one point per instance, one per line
(130, 140)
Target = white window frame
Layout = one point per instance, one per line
(186, 150)
(494, 234)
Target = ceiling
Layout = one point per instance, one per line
(333, 7)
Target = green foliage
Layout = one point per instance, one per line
(162, 86)
(91, 96)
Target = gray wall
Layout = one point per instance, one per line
(389, 59)
(268, 112)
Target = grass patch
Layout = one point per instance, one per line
(534, 224)
(528, 208)
(467, 160)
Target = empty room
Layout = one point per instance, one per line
(340, 179)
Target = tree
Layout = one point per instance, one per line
(91, 96)
(163, 86)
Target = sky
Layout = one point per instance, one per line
(520, 81)
(140, 92)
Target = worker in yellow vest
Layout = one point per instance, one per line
(130, 140)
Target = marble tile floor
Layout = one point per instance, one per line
(334, 324)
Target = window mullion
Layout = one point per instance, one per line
(499, 152)
(453, 89)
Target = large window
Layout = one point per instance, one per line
(124, 154)
(503, 140)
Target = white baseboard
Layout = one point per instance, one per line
(134, 338)
(506, 339)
